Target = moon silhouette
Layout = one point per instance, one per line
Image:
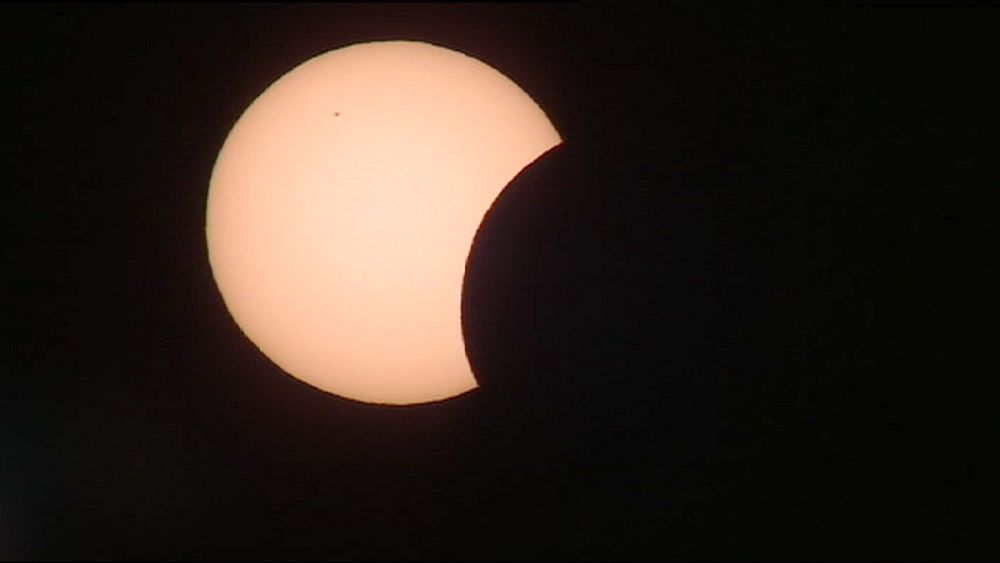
(343, 205)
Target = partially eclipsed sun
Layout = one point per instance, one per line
(343, 206)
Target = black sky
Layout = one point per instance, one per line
(734, 316)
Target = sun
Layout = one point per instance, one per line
(343, 205)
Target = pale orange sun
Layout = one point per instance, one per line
(343, 206)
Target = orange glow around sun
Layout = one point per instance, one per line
(343, 205)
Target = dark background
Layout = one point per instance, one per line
(736, 315)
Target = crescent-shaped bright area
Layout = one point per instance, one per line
(343, 206)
